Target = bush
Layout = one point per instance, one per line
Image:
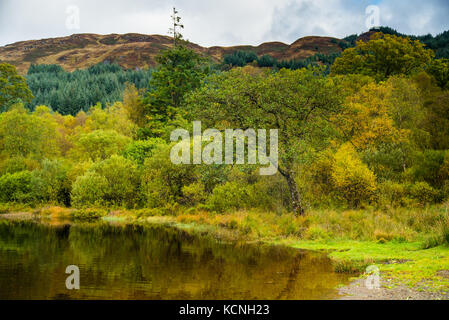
(162, 181)
(194, 194)
(141, 150)
(431, 166)
(351, 177)
(88, 190)
(213, 175)
(17, 164)
(316, 233)
(16, 187)
(229, 196)
(392, 193)
(122, 178)
(89, 214)
(51, 184)
(113, 182)
(423, 193)
(100, 145)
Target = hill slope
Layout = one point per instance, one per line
(138, 50)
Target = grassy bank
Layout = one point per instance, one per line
(410, 246)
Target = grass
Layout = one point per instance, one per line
(14, 207)
(405, 263)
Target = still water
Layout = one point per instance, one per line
(123, 261)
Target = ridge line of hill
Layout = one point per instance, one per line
(134, 50)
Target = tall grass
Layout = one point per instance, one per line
(429, 225)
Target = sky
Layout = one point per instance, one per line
(218, 22)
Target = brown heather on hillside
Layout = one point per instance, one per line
(134, 50)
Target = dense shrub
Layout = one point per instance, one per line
(162, 181)
(17, 164)
(228, 197)
(351, 177)
(51, 183)
(213, 175)
(141, 149)
(88, 214)
(233, 196)
(16, 187)
(423, 193)
(392, 193)
(193, 194)
(113, 182)
(26, 135)
(100, 145)
(430, 166)
(88, 190)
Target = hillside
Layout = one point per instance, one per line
(138, 50)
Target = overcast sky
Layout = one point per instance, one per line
(217, 22)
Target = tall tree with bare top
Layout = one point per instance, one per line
(176, 24)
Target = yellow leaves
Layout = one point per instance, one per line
(44, 134)
(113, 117)
(367, 121)
(383, 56)
(42, 111)
(24, 134)
(351, 177)
(342, 174)
(99, 145)
(133, 105)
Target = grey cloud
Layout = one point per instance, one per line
(336, 18)
(218, 22)
(416, 16)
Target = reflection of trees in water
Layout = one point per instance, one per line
(152, 262)
(27, 249)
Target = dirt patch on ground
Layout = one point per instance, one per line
(357, 290)
(443, 274)
(17, 216)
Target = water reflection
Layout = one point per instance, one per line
(152, 262)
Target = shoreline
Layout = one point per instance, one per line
(345, 255)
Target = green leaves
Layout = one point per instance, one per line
(71, 92)
(100, 145)
(180, 71)
(15, 187)
(13, 87)
(112, 182)
(295, 102)
(384, 56)
(23, 134)
(439, 69)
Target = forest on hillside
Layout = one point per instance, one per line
(439, 44)
(104, 83)
(71, 92)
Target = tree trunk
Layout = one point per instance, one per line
(298, 210)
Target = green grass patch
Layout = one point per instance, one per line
(407, 263)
